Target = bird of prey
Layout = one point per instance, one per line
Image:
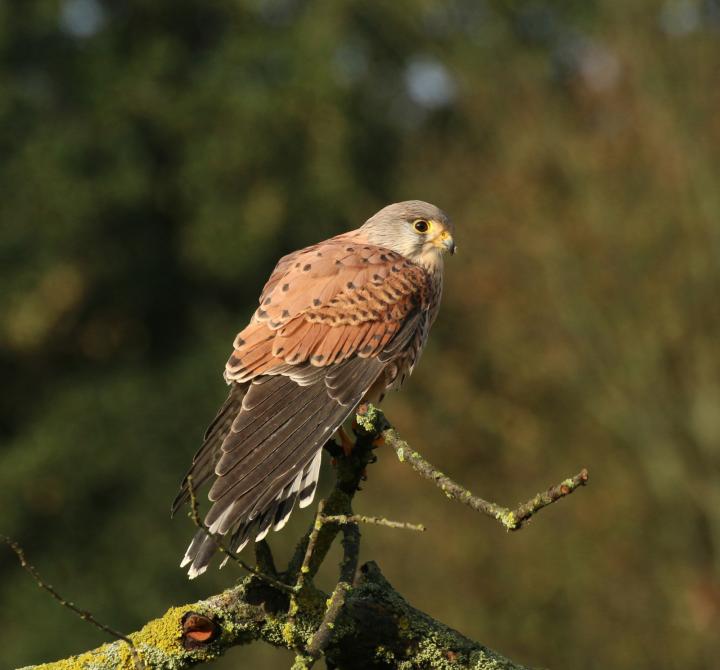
(339, 323)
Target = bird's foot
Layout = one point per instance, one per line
(347, 444)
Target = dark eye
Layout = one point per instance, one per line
(421, 226)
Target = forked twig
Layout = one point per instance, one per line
(511, 519)
(83, 614)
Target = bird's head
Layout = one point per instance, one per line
(418, 230)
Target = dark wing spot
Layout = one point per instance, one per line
(280, 351)
(350, 285)
(383, 257)
(267, 301)
(366, 349)
(319, 253)
(395, 268)
(338, 262)
(377, 277)
(361, 296)
(350, 249)
(306, 267)
(316, 302)
(261, 313)
(286, 287)
(240, 342)
(319, 358)
(285, 314)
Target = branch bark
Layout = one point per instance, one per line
(376, 629)
(364, 624)
(511, 519)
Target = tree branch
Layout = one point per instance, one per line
(511, 519)
(323, 636)
(376, 628)
(363, 624)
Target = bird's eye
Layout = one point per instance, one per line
(421, 226)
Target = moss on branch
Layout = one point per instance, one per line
(376, 629)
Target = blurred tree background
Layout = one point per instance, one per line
(156, 158)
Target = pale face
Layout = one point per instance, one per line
(417, 230)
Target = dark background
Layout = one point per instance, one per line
(156, 158)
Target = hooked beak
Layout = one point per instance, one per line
(446, 242)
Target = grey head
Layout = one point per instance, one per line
(418, 230)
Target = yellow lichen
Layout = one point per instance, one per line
(159, 638)
(507, 518)
(288, 633)
(164, 633)
(94, 658)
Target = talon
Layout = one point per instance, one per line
(346, 442)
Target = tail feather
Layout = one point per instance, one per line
(266, 446)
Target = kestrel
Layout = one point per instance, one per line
(339, 323)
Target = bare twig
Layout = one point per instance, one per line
(376, 520)
(83, 614)
(193, 513)
(312, 541)
(511, 519)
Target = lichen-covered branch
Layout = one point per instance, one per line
(348, 567)
(376, 628)
(363, 624)
(511, 519)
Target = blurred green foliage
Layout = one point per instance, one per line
(157, 157)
